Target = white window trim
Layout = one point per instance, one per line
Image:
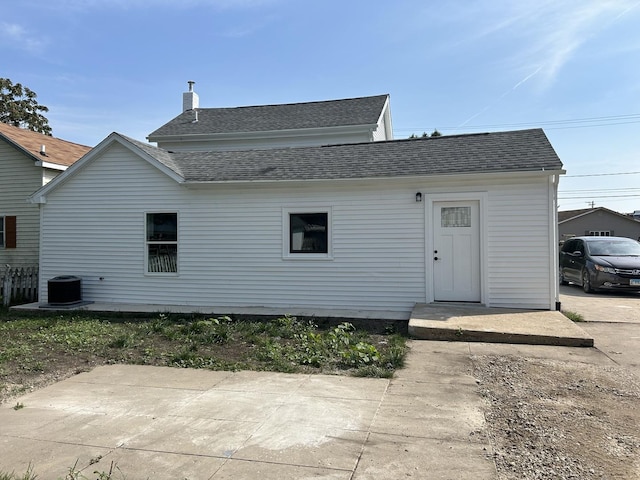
(2, 232)
(286, 239)
(146, 244)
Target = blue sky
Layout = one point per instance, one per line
(571, 67)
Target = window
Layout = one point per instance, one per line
(162, 242)
(307, 233)
(599, 233)
(8, 232)
(455, 217)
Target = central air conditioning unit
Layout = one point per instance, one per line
(64, 290)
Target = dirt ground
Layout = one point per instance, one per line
(550, 419)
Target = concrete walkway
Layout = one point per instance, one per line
(473, 323)
(169, 423)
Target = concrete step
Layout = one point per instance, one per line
(477, 323)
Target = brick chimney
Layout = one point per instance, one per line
(190, 100)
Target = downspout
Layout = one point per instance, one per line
(554, 239)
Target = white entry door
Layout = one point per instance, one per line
(456, 251)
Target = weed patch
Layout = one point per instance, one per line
(39, 349)
(573, 316)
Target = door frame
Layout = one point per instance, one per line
(430, 199)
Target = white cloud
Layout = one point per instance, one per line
(16, 36)
(553, 32)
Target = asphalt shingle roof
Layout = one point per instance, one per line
(516, 151)
(290, 116)
(570, 214)
(58, 151)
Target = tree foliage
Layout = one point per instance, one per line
(435, 133)
(19, 107)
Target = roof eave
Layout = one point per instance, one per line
(426, 177)
(52, 166)
(584, 214)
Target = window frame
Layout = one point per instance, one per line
(8, 232)
(148, 242)
(286, 233)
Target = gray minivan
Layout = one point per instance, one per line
(601, 263)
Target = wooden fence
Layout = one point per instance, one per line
(18, 285)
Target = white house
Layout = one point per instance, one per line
(366, 228)
(352, 120)
(28, 160)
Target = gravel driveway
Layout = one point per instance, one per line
(568, 413)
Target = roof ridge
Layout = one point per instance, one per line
(436, 138)
(335, 100)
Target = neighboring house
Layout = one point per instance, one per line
(598, 221)
(351, 120)
(368, 228)
(28, 160)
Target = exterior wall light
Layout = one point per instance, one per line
(419, 197)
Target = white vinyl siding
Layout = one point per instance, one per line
(19, 179)
(519, 229)
(265, 142)
(231, 240)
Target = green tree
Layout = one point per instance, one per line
(435, 133)
(18, 107)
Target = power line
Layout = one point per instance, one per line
(597, 196)
(601, 174)
(599, 190)
(550, 124)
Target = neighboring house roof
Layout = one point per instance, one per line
(57, 151)
(568, 215)
(269, 118)
(498, 152)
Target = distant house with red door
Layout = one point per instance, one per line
(303, 219)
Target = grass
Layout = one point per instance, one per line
(40, 348)
(28, 475)
(573, 316)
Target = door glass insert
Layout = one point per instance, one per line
(455, 217)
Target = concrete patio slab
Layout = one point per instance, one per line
(471, 323)
(168, 423)
(390, 457)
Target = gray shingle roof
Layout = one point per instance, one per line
(571, 214)
(352, 111)
(516, 151)
(163, 156)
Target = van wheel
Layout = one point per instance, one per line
(586, 282)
